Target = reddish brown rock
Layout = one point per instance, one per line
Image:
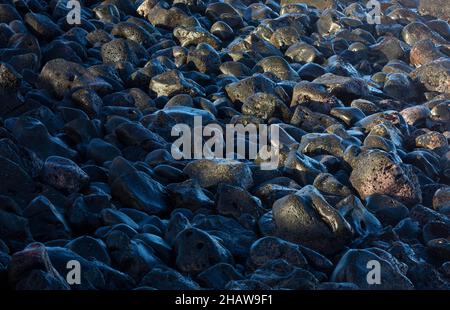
(378, 172)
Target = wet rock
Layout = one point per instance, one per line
(114, 217)
(424, 52)
(415, 115)
(343, 87)
(133, 32)
(92, 278)
(416, 31)
(171, 83)
(310, 71)
(165, 278)
(436, 8)
(195, 35)
(363, 116)
(133, 257)
(8, 13)
(83, 214)
(205, 58)
(89, 247)
(80, 130)
(426, 277)
(399, 86)
(270, 248)
(302, 168)
(328, 23)
(441, 199)
(433, 76)
(222, 30)
(234, 236)
(88, 100)
(211, 172)
(139, 191)
(388, 210)
(281, 275)
(15, 229)
(433, 141)
(366, 106)
(234, 68)
(240, 91)
(190, 195)
(439, 248)
(247, 285)
(328, 184)
(435, 230)
(352, 267)
(375, 171)
(272, 190)
(338, 286)
(196, 250)
(303, 52)
(161, 248)
(349, 115)
(321, 5)
(10, 79)
(277, 66)
(42, 26)
(180, 100)
(407, 230)
(391, 48)
(31, 269)
(177, 223)
(237, 202)
(440, 26)
(362, 221)
(16, 182)
(64, 174)
(219, 275)
(169, 173)
(101, 151)
(307, 218)
(162, 15)
(61, 76)
(322, 143)
(46, 222)
(118, 50)
(262, 105)
(135, 134)
(114, 279)
(314, 96)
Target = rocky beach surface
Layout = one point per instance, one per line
(87, 172)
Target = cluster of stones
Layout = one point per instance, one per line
(86, 171)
